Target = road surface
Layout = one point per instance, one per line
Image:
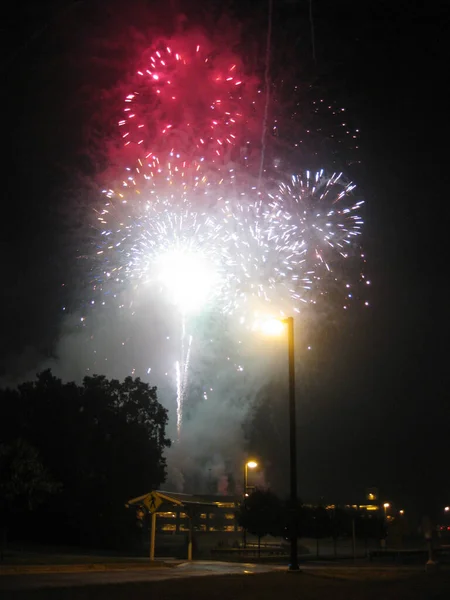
(194, 569)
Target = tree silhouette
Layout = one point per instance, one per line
(261, 514)
(103, 440)
(24, 483)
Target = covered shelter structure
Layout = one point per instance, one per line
(193, 507)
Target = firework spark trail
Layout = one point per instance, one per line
(184, 381)
(182, 372)
(179, 403)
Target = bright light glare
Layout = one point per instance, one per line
(386, 505)
(187, 277)
(447, 508)
(273, 327)
(252, 464)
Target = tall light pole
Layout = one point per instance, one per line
(293, 566)
(249, 464)
(274, 327)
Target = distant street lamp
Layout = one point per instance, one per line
(386, 505)
(447, 509)
(251, 464)
(402, 512)
(276, 327)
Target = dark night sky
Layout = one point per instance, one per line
(390, 60)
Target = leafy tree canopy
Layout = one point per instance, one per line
(102, 440)
(261, 514)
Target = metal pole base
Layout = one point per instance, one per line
(293, 569)
(431, 566)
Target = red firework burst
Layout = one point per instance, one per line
(187, 99)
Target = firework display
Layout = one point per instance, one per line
(324, 212)
(246, 251)
(195, 229)
(307, 127)
(164, 244)
(184, 96)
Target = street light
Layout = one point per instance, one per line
(276, 327)
(402, 512)
(386, 505)
(273, 327)
(251, 464)
(447, 509)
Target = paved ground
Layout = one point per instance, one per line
(235, 582)
(128, 575)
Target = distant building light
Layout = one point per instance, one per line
(372, 494)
